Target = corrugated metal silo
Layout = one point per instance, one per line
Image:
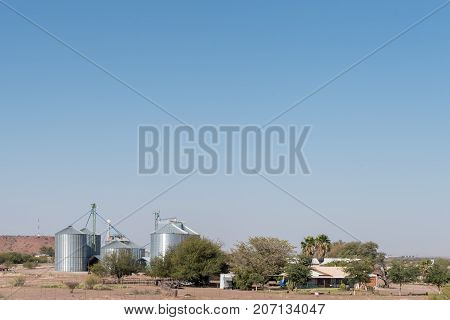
(71, 250)
(114, 246)
(137, 251)
(167, 236)
(98, 242)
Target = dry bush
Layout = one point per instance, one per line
(18, 281)
(91, 282)
(71, 285)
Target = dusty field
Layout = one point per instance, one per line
(44, 283)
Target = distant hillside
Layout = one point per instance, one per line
(25, 244)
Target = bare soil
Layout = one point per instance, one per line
(43, 283)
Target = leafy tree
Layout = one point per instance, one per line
(358, 272)
(196, 260)
(424, 267)
(261, 256)
(298, 271)
(402, 272)
(244, 280)
(161, 267)
(438, 274)
(354, 249)
(120, 264)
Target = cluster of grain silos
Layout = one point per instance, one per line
(76, 249)
(167, 235)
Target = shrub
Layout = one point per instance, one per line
(91, 282)
(72, 285)
(53, 286)
(30, 264)
(101, 287)
(18, 281)
(99, 270)
(15, 257)
(342, 286)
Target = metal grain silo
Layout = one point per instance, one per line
(114, 246)
(92, 250)
(137, 251)
(71, 250)
(168, 235)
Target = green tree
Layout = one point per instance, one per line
(99, 270)
(196, 260)
(298, 271)
(402, 272)
(244, 280)
(308, 246)
(438, 274)
(261, 257)
(316, 247)
(161, 267)
(354, 250)
(322, 246)
(358, 272)
(120, 264)
(424, 267)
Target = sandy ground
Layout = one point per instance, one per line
(38, 281)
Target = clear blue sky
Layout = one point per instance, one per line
(379, 149)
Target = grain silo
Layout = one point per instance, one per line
(117, 246)
(114, 246)
(137, 251)
(93, 247)
(71, 250)
(167, 235)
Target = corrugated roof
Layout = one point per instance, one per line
(69, 230)
(176, 227)
(328, 272)
(115, 245)
(86, 230)
(134, 245)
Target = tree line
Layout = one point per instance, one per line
(260, 259)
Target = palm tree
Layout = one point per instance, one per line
(308, 246)
(322, 246)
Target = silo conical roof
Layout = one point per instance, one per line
(115, 245)
(86, 230)
(69, 230)
(176, 227)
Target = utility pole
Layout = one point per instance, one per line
(94, 225)
(157, 218)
